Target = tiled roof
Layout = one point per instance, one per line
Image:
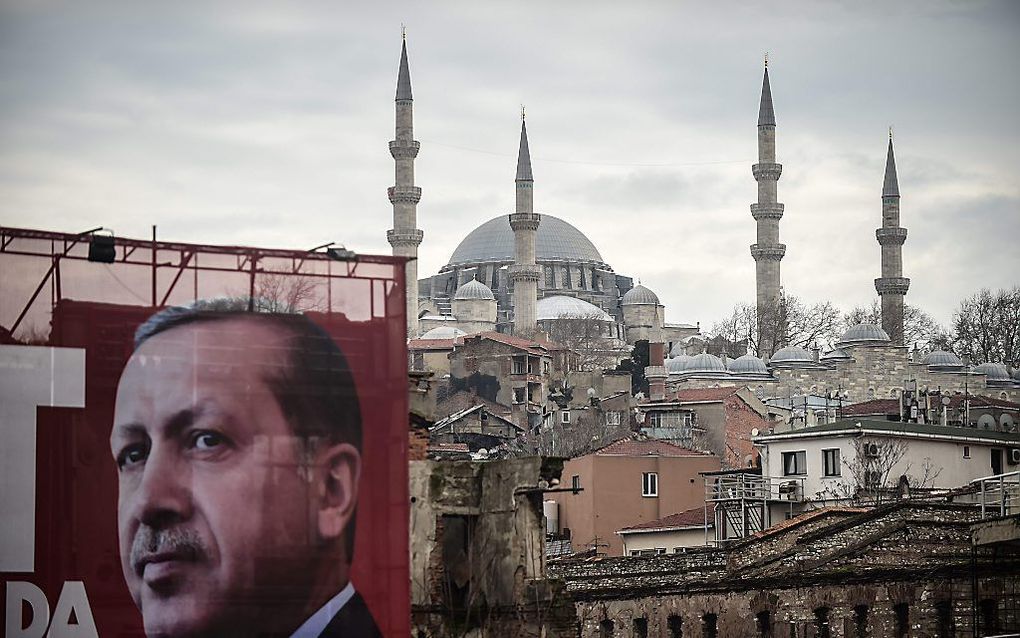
(706, 394)
(535, 346)
(694, 517)
(978, 401)
(433, 344)
(808, 517)
(462, 400)
(645, 447)
(874, 406)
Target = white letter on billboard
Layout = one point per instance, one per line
(73, 598)
(30, 377)
(18, 593)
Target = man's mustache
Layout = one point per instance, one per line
(176, 543)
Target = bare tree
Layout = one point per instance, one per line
(987, 327)
(588, 335)
(586, 434)
(788, 321)
(278, 292)
(918, 326)
(870, 477)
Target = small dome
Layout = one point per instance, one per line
(834, 355)
(678, 364)
(864, 333)
(679, 349)
(942, 359)
(791, 355)
(473, 289)
(748, 364)
(443, 332)
(639, 295)
(705, 362)
(993, 371)
(561, 306)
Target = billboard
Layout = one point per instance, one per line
(230, 460)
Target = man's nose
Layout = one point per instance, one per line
(164, 495)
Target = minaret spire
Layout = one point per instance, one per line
(405, 236)
(524, 273)
(767, 212)
(892, 286)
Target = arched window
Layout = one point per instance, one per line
(566, 277)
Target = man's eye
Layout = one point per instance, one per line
(207, 440)
(132, 455)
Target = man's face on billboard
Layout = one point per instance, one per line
(220, 510)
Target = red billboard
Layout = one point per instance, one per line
(230, 460)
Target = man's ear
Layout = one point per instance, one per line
(340, 476)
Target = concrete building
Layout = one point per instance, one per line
(405, 236)
(673, 534)
(626, 483)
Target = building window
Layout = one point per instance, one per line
(520, 365)
(944, 619)
(566, 277)
(709, 627)
(675, 626)
(861, 621)
(550, 281)
(649, 484)
(794, 463)
(612, 418)
(583, 285)
(655, 419)
(966, 451)
(565, 416)
(606, 629)
(640, 628)
(518, 395)
(830, 459)
(989, 617)
(575, 482)
(902, 611)
(822, 623)
(764, 622)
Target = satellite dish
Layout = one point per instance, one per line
(754, 431)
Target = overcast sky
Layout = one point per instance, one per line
(267, 124)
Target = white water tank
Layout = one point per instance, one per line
(551, 509)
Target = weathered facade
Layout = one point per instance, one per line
(907, 569)
(478, 562)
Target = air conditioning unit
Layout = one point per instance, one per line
(789, 491)
(871, 450)
(1014, 456)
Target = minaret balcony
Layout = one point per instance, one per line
(894, 236)
(408, 237)
(767, 171)
(524, 272)
(401, 149)
(892, 285)
(525, 221)
(768, 252)
(404, 194)
(767, 211)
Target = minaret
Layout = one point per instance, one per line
(767, 212)
(892, 285)
(524, 273)
(405, 237)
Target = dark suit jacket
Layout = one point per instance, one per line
(352, 621)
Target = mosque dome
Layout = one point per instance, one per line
(705, 362)
(639, 295)
(747, 364)
(561, 306)
(556, 240)
(835, 354)
(473, 289)
(864, 333)
(443, 332)
(677, 364)
(942, 359)
(993, 371)
(791, 355)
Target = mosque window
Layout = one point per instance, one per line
(595, 279)
(550, 279)
(566, 277)
(583, 285)
(495, 279)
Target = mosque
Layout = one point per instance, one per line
(517, 272)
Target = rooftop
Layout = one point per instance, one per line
(694, 517)
(854, 426)
(645, 447)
